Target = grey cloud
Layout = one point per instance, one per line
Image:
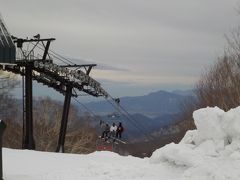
(158, 37)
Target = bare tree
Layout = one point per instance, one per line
(220, 84)
(80, 137)
(47, 113)
(8, 110)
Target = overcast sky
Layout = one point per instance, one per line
(150, 44)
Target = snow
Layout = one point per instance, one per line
(33, 165)
(211, 152)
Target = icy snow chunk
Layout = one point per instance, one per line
(208, 148)
(189, 137)
(235, 155)
(215, 124)
(210, 152)
(217, 134)
(231, 123)
(180, 155)
(231, 148)
(208, 123)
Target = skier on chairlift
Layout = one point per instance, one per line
(113, 130)
(119, 131)
(106, 131)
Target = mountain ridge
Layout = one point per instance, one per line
(152, 105)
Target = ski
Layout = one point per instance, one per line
(118, 140)
(114, 140)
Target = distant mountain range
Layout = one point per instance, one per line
(138, 125)
(152, 105)
(151, 114)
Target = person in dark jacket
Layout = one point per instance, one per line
(106, 131)
(119, 131)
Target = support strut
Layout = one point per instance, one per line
(29, 140)
(63, 129)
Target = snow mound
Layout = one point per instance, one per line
(212, 151)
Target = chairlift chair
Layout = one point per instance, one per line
(102, 145)
(115, 114)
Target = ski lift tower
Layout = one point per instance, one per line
(34, 62)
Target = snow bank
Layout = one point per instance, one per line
(34, 165)
(210, 152)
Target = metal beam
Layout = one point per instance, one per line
(29, 140)
(2, 129)
(15, 39)
(88, 70)
(63, 129)
(46, 50)
(79, 66)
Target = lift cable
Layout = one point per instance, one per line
(62, 57)
(58, 57)
(124, 112)
(88, 110)
(130, 118)
(96, 117)
(134, 123)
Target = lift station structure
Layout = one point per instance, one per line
(31, 58)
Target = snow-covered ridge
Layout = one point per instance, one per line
(212, 152)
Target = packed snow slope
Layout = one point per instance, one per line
(212, 152)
